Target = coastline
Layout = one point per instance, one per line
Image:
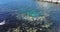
(49, 1)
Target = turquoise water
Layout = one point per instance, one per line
(21, 6)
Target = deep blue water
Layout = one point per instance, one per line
(31, 7)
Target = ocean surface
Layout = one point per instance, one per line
(9, 9)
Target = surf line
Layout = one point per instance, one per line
(3, 22)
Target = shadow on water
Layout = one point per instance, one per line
(10, 21)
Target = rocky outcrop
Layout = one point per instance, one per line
(52, 1)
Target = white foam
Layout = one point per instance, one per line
(2, 23)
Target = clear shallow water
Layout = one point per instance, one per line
(53, 10)
(9, 7)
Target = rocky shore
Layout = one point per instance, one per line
(51, 1)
